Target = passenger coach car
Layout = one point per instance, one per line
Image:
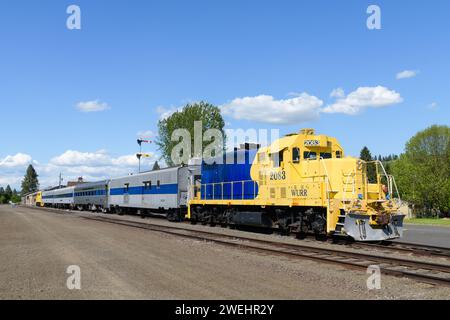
(59, 198)
(92, 196)
(163, 191)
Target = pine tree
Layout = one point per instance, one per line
(30, 182)
(155, 166)
(8, 194)
(371, 169)
(2, 195)
(8, 191)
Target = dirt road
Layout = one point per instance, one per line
(120, 262)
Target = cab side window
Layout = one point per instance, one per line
(296, 155)
(338, 154)
(277, 158)
(309, 155)
(280, 157)
(325, 155)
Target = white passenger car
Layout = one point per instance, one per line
(163, 191)
(59, 198)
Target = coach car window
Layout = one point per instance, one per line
(158, 184)
(296, 155)
(148, 185)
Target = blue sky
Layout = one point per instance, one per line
(140, 57)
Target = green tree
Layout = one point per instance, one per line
(30, 183)
(202, 111)
(2, 195)
(155, 166)
(422, 171)
(371, 169)
(387, 162)
(15, 196)
(6, 195)
(8, 191)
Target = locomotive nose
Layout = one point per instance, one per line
(357, 225)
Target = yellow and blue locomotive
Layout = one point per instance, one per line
(300, 183)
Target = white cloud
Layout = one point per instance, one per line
(146, 134)
(13, 181)
(100, 158)
(129, 160)
(337, 93)
(433, 106)
(77, 158)
(265, 108)
(92, 166)
(12, 169)
(167, 112)
(92, 106)
(17, 160)
(406, 74)
(364, 97)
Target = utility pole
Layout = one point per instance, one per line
(60, 179)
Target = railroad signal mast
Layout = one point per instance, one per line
(140, 154)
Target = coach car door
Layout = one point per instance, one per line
(146, 192)
(126, 195)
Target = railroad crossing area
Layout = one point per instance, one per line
(61, 254)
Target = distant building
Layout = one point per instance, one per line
(74, 183)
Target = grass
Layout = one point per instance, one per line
(429, 221)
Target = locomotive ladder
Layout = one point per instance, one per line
(348, 185)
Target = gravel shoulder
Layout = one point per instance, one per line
(120, 262)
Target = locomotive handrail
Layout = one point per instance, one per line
(231, 183)
(390, 179)
(327, 181)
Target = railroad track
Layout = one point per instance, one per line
(434, 273)
(384, 247)
(413, 248)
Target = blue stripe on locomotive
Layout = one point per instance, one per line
(222, 174)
